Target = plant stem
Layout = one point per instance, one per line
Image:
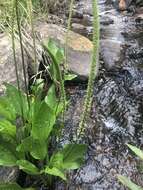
(93, 71)
(22, 51)
(67, 33)
(29, 6)
(15, 62)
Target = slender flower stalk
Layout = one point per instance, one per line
(14, 57)
(22, 50)
(30, 14)
(67, 34)
(93, 71)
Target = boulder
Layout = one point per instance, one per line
(112, 53)
(7, 68)
(79, 48)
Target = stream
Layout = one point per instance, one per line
(116, 117)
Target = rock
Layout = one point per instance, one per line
(112, 53)
(55, 6)
(7, 69)
(79, 48)
(78, 28)
(8, 174)
(122, 5)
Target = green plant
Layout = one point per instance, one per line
(124, 180)
(27, 128)
(29, 142)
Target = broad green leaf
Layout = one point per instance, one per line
(55, 172)
(51, 99)
(69, 77)
(43, 121)
(128, 183)
(59, 55)
(52, 47)
(7, 128)
(56, 160)
(6, 109)
(71, 157)
(37, 148)
(37, 88)
(73, 152)
(13, 186)
(56, 51)
(26, 145)
(7, 158)
(73, 165)
(28, 167)
(136, 150)
(18, 100)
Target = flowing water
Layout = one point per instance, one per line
(117, 116)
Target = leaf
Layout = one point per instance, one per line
(26, 145)
(52, 47)
(7, 128)
(28, 167)
(7, 158)
(59, 55)
(128, 183)
(43, 121)
(52, 50)
(56, 160)
(55, 172)
(51, 99)
(69, 77)
(17, 99)
(37, 148)
(37, 88)
(6, 109)
(73, 165)
(13, 186)
(136, 150)
(73, 155)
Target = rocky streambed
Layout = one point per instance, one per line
(116, 117)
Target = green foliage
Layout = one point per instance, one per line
(27, 143)
(13, 186)
(57, 56)
(124, 180)
(128, 183)
(6, 10)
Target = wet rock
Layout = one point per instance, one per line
(122, 5)
(106, 20)
(8, 174)
(116, 117)
(79, 48)
(107, 156)
(78, 28)
(112, 54)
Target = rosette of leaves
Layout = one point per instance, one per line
(27, 127)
